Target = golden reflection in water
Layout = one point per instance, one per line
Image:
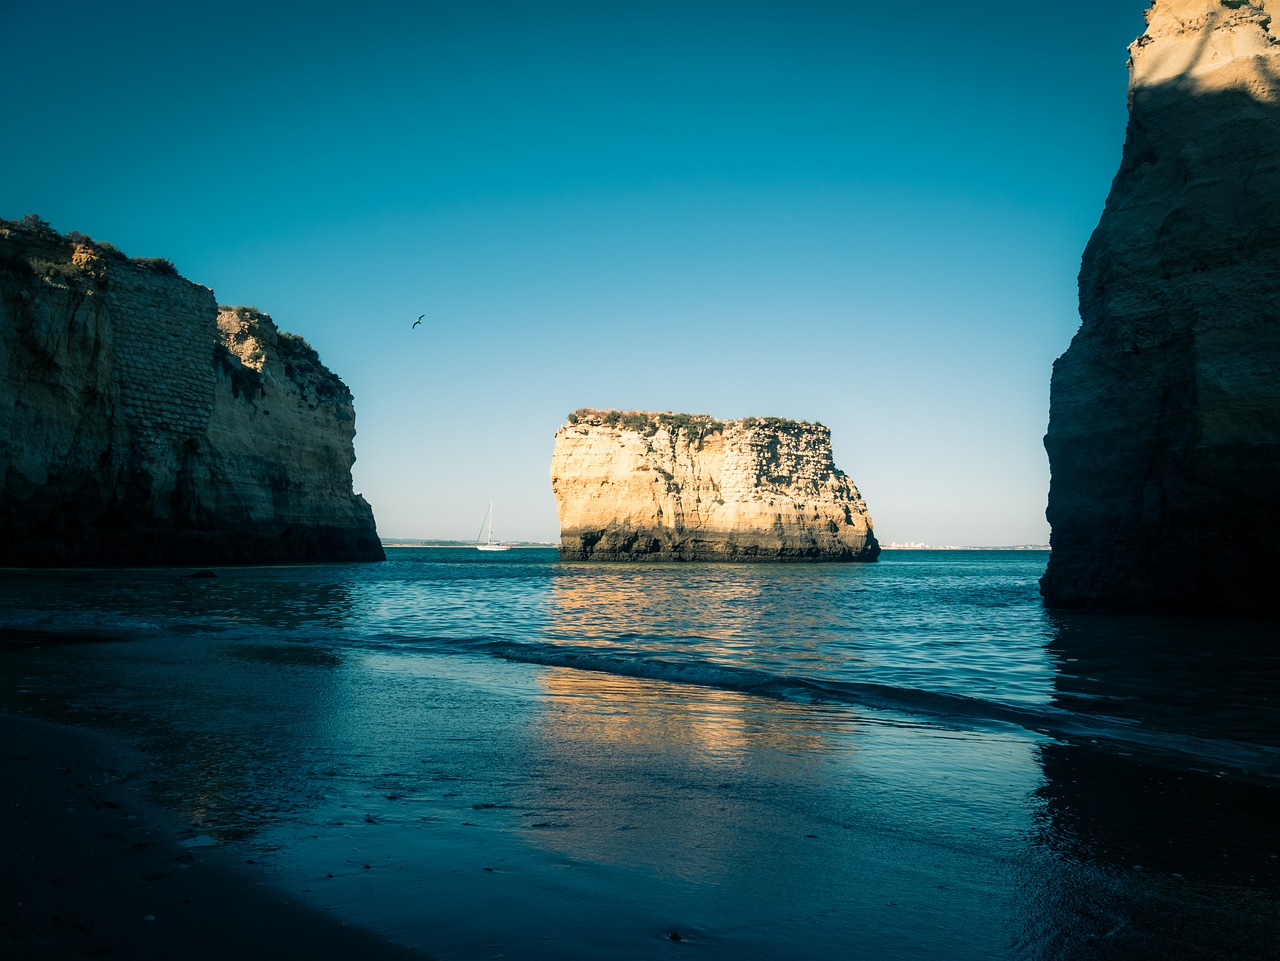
(720, 727)
(654, 613)
(642, 773)
(731, 614)
(647, 770)
(601, 605)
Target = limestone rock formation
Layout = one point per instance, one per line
(141, 424)
(645, 486)
(1164, 430)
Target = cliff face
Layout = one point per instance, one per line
(140, 424)
(1164, 431)
(640, 486)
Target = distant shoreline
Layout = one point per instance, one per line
(435, 542)
(410, 542)
(963, 547)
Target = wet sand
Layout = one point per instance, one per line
(362, 762)
(88, 869)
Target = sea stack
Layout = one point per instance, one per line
(142, 424)
(1164, 427)
(638, 486)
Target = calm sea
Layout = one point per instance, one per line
(496, 754)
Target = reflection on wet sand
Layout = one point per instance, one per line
(666, 776)
(1156, 860)
(628, 743)
(223, 718)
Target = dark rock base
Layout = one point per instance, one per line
(616, 544)
(154, 547)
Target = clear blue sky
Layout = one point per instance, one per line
(869, 215)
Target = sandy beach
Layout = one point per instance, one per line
(478, 757)
(90, 870)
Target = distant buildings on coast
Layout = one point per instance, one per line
(917, 546)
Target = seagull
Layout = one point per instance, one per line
(418, 321)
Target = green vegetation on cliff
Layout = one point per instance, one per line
(35, 229)
(649, 422)
(300, 360)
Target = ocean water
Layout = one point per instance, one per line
(499, 755)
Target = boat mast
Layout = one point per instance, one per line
(487, 522)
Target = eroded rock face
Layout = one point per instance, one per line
(642, 486)
(1164, 431)
(141, 424)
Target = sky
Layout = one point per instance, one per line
(867, 215)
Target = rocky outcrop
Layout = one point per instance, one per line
(645, 486)
(142, 424)
(1164, 430)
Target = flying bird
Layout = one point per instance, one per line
(418, 321)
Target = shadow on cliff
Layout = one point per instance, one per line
(112, 455)
(1164, 433)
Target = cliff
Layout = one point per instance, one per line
(142, 424)
(1164, 430)
(642, 486)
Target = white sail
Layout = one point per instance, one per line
(487, 529)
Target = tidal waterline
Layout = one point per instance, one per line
(479, 754)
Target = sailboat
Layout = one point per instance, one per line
(489, 543)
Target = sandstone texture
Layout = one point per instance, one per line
(1164, 428)
(680, 487)
(142, 424)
